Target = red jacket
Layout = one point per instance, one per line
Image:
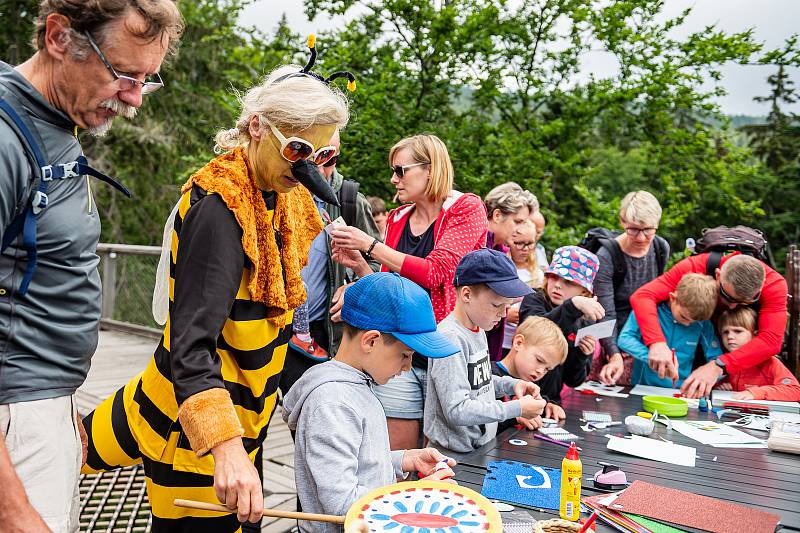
(771, 312)
(460, 228)
(769, 380)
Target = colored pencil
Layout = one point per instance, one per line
(589, 523)
(553, 441)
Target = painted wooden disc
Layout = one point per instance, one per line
(425, 507)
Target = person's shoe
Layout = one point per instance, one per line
(309, 349)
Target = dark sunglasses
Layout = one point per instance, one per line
(400, 170)
(730, 299)
(332, 161)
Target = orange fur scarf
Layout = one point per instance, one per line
(295, 217)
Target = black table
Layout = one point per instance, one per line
(758, 478)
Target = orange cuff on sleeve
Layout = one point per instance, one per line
(208, 418)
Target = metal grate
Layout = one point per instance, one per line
(115, 501)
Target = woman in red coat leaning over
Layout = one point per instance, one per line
(426, 237)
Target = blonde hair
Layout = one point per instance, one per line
(531, 265)
(540, 332)
(430, 150)
(745, 274)
(698, 294)
(292, 105)
(640, 207)
(739, 317)
(510, 198)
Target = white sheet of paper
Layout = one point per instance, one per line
(335, 224)
(601, 330)
(649, 390)
(602, 390)
(716, 433)
(657, 450)
(720, 396)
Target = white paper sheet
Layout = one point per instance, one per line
(602, 390)
(656, 450)
(714, 433)
(601, 330)
(649, 390)
(720, 396)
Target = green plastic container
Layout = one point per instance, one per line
(665, 405)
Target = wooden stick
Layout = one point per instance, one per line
(275, 513)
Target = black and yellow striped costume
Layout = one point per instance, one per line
(216, 337)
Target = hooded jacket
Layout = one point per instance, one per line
(341, 444)
(47, 336)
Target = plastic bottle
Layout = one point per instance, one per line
(571, 475)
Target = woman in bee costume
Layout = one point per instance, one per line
(235, 244)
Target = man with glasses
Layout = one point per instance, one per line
(742, 280)
(94, 61)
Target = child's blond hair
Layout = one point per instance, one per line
(740, 317)
(539, 331)
(698, 294)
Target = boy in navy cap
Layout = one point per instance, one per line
(462, 409)
(342, 443)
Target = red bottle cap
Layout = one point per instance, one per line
(572, 453)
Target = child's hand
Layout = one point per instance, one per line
(338, 302)
(554, 411)
(590, 307)
(744, 395)
(531, 407)
(612, 370)
(512, 315)
(359, 526)
(724, 386)
(424, 461)
(526, 388)
(530, 423)
(587, 344)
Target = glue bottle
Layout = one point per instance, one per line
(571, 475)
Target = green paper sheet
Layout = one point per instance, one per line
(652, 525)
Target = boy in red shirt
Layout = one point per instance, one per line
(769, 380)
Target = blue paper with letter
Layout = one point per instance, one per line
(522, 484)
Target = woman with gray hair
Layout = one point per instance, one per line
(197, 416)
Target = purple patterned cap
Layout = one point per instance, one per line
(574, 263)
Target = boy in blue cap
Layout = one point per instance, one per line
(342, 443)
(462, 409)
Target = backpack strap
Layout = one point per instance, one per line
(714, 259)
(617, 259)
(662, 254)
(347, 199)
(36, 200)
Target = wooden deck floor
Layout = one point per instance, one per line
(120, 356)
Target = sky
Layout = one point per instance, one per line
(772, 22)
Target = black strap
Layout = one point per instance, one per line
(714, 259)
(662, 254)
(347, 199)
(617, 260)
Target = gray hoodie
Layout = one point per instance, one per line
(342, 444)
(47, 336)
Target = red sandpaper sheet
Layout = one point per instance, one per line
(686, 509)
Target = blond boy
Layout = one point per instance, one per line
(684, 319)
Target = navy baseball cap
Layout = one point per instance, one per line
(390, 303)
(493, 269)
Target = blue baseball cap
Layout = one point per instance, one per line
(390, 303)
(493, 269)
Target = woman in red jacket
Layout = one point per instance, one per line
(425, 239)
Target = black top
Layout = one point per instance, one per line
(577, 366)
(418, 246)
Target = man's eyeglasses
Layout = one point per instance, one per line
(634, 232)
(400, 170)
(151, 83)
(730, 299)
(524, 245)
(332, 161)
(296, 148)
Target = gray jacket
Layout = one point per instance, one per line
(48, 336)
(342, 444)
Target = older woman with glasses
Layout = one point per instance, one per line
(635, 257)
(234, 247)
(425, 239)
